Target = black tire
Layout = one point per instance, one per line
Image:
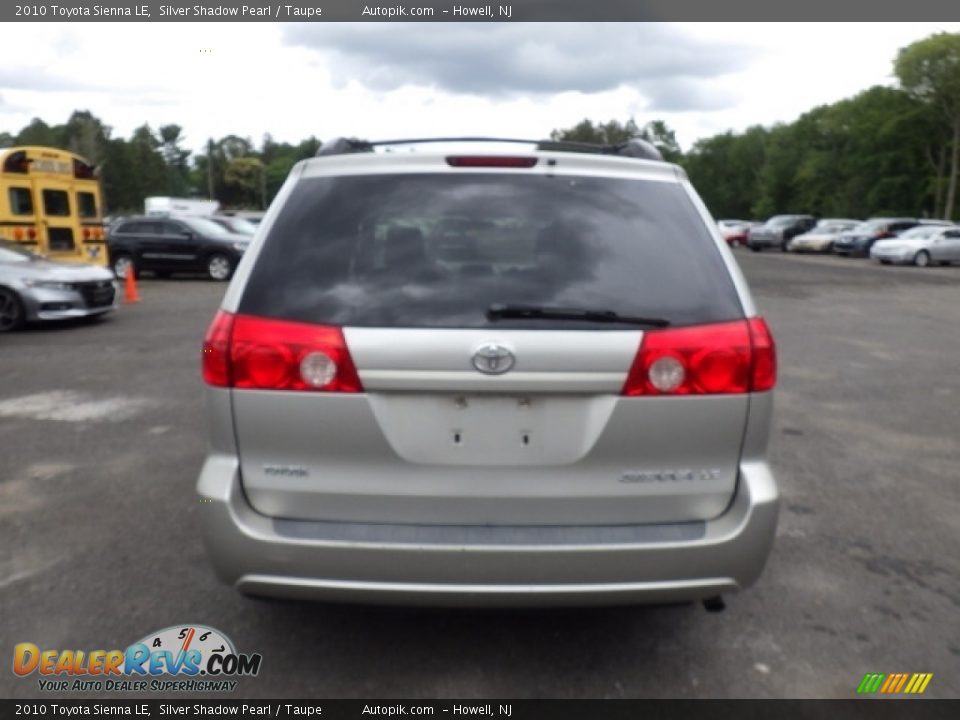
(755, 248)
(161, 274)
(121, 262)
(12, 315)
(922, 259)
(219, 267)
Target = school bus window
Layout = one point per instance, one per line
(21, 201)
(86, 204)
(56, 202)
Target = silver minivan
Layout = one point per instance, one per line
(488, 373)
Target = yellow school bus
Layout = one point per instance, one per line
(50, 202)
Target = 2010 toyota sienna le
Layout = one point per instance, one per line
(488, 373)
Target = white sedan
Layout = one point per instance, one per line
(922, 246)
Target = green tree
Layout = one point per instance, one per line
(37, 132)
(929, 70)
(245, 176)
(176, 160)
(614, 132)
(86, 135)
(726, 171)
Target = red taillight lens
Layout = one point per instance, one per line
(725, 358)
(499, 161)
(259, 353)
(764, 374)
(216, 350)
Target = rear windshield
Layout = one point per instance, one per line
(437, 250)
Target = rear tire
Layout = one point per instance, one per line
(922, 259)
(12, 315)
(219, 267)
(122, 264)
(755, 248)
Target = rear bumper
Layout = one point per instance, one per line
(484, 566)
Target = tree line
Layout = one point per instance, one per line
(152, 161)
(885, 151)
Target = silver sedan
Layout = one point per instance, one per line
(922, 246)
(33, 288)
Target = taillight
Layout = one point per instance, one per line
(724, 358)
(259, 353)
(764, 372)
(216, 350)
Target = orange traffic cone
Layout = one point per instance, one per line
(130, 293)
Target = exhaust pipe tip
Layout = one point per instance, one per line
(714, 604)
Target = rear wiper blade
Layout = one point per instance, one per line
(505, 312)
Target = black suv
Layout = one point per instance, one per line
(166, 245)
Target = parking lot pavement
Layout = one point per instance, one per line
(102, 437)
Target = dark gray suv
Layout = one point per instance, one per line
(477, 376)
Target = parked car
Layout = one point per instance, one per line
(922, 245)
(821, 236)
(484, 377)
(171, 244)
(778, 230)
(234, 224)
(858, 241)
(33, 288)
(253, 216)
(735, 231)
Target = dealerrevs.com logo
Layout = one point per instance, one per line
(185, 658)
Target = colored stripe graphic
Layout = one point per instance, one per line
(918, 683)
(870, 683)
(894, 683)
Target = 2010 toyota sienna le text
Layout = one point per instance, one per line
(482, 377)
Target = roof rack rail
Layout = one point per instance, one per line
(633, 148)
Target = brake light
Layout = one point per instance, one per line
(764, 371)
(249, 352)
(500, 161)
(724, 358)
(216, 350)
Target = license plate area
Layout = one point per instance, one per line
(488, 429)
(495, 424)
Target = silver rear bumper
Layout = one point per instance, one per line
(449, 565)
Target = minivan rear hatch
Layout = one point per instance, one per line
(492, 317)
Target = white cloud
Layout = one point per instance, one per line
(396, 79)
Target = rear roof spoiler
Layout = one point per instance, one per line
(633, 148)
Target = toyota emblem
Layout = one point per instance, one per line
(493, 359)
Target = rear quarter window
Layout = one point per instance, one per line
(437, 250)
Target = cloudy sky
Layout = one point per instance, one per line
(388, 80)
